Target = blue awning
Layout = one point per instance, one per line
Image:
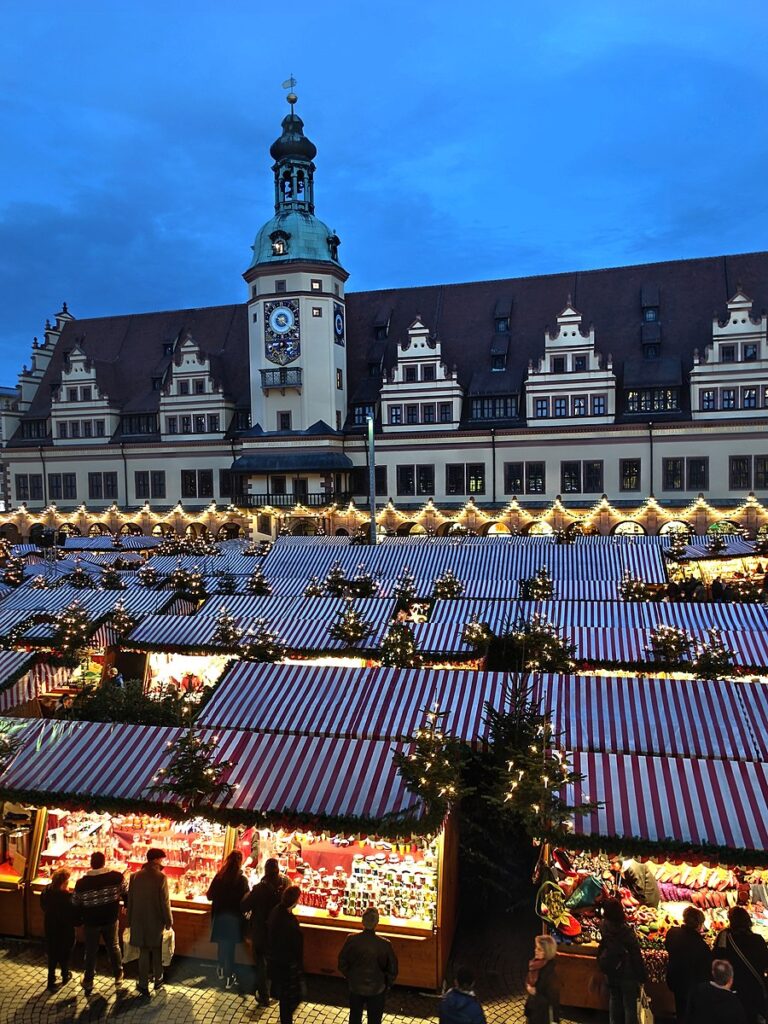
(292, 462)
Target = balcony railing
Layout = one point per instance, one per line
(286, 377)
(312, 499)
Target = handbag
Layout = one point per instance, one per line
(130, 952)
(644, 1011)
(169, 946)
(761, 1017)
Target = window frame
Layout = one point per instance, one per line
(531, 476)
(733, 461)
(625, 475)
(405, 480)
(570, 476)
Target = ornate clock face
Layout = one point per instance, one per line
(338, 323)
(282, 341)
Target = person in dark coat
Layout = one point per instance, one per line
(98, 895)
(460, 1005)
(226, 893)
(369, 964)
(285, 953)
(714, 1002)
(543, 1003)
(149, 914)
(690, 959)
(59, 926)
(621, 961)
(639, 879)
(259, 903)
(747, 953)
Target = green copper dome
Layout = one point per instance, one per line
(295, 235)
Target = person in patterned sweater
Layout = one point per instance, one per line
(97, 897)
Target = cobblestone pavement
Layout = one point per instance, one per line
(193, 996)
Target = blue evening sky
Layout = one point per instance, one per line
(457, 141)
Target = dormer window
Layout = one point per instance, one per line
(728, 353)
(411, 374)
(580, 364)
(558, 364)
(750, 353)
(651, 351)
(278, 247)
(428, 372)
(502, 324)
(71, 394)
(651, 314)
(168, 348)
(157, 383)
(183, 387)
(498, 363)
(199, 386)
(85, 394)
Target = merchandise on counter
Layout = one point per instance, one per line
(15, 841)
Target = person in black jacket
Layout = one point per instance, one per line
(369, 964)
(226, 893)
(543, 1003)
(714, 1002)
(460, 1005)
(59, 926)
(286, 954)
(621, 961)
(690, 959)
(98, 895)
(747, 953)
(259, 903)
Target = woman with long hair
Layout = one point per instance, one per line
(226, 892)
(59, 926)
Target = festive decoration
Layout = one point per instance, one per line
(314, 587)
(530, 645)
(13, 573)
(679, 546)
(476, 634)
(561, 536)
(128, 704)
(335, 583)
(632, 588)
(79, 579)
(405, 587)
(432, 769)
(194, 774)
(261, 644)
(350, 627)
(122, 621)
(187, 584)
(174, 545)
(111, 578)
(362, 584)
(713, 660)
(398, 648)
(10, 740)
(148, 576)
(72, 628)
(226, 583)
(539, 587)
(226, 633)
(670, 645)
(258, 584)
(716, 543)
(45, 582)
(447, 586)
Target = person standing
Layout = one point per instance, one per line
(98, 895)
(747, 953)
(543, 1003)
(259, 903)
(149, 915)
(226, 892)
(59, 926)
(621, 961)
(715, 1002)
(690, 959)
(369, 964)
(460, 1005)
(286, 954)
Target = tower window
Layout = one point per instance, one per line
(498, 363)
(502, 324)
(428, 372)
(339, 380)
(411, 374)
(580, 364)
(650, 314)
(651, 351)
(279, 286)
(183, 388)
(750, 353)
(168, 348)
(199, 386)
(558, 364)
(316, 285)
(728, 353)
(278, 247)
(317, 311)
(85, 394)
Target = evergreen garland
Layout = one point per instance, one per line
(259, 643)
(713, 660)
(398, 648)
(258, 584)
(539, 587)
(447, 586)
(632, 588)
(670, 646)
(194, 774)
(227, 633)
(350, 628)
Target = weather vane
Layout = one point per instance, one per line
(290, 84)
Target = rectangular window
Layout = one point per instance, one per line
(428, 372)
(498, 363)
(580, 405)
(284, 421)
(406, 481)
(35, 486)
(87, 428)
(62, 427)
(71, 394)
(411, 414)
(502, 324)
(141, 483)
(598, 405)
(54, 486)
(278, 485)
(541, 407)
(188, 483)
(157, 483)
(70, 486)
(761, 472)
(570, 477)
(513, 478)
(99, 425)
(425, 480)
(535, 479)
(199, 385)
(650, 314)
(85, 394)
(708, 401)
(279, 286)
(445, 411)
(317, 312)
(171, 425)
(186, 424)
(629, 474)
(728, 353)
(749, 353)
(698, 473)
(315, 285)
(749, 398)
(428, 413)
(560, 407)
(95, 486)
(580, 364)
(593, 476)
(110, 485)
(454, 478)
(558, 364)
(395, 414)
(22, 487)
(381, 481)
(672, 474)
(739, 475)
(183, 387)
(339, 380)
(74, 428)
(225, 483)
(476, 478)
(728, 398)
(199, 424)
(213, 423)
(205, 483)
(411, 374)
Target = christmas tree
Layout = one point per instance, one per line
(398, 648)
(122, 621)
(261, 644)
(713, 660)
(670, 645)
(226, 634)
(716, 543)
(335, 581)
(13, 574)
(432, 768)
(79, 578)
(405, 587)
(314, 587)
(73, 627)
(111, 578)
(530, 645)
(258, 584)
(362, 583)
(196, 589)
(679, 546)
(194, 774)
(539, 587)
(561, 536)
(148, 576)
(632, 588)
(226, 583)
(350, 627)
(447, 586)
(476, 635)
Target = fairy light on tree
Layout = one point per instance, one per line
(314, 587)
(194, 774)
(447, 586)
(712, 659)
(432, 767)
(539, 587)
(530, 645)
(227, 633)
(349, 627)
(362, 584)
(405, 587)
(72, 628)
(670, 646)
(148, 576)
(226, 583)
(476, 634)
(398, 648)
(13, 573)
(79, 578)
(122, 621)
(258, 584)
(111, 578)
(260, 643)
(335, 583)
(632, 588)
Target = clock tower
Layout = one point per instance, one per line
(296, 314)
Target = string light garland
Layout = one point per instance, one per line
(226, 633)
(447, 586)
(432, 767)
(405, 587)
(670, 646)
(260, 643)
(713, 660)
(632, 588)
(539, 587)
(257, 584)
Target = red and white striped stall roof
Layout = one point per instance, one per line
(440, 638)
(40, 679)
(754, 698)
(190, 631)
(101, 759)
(611, 646)
(313, 775)
(689, 718)
(688, 800)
